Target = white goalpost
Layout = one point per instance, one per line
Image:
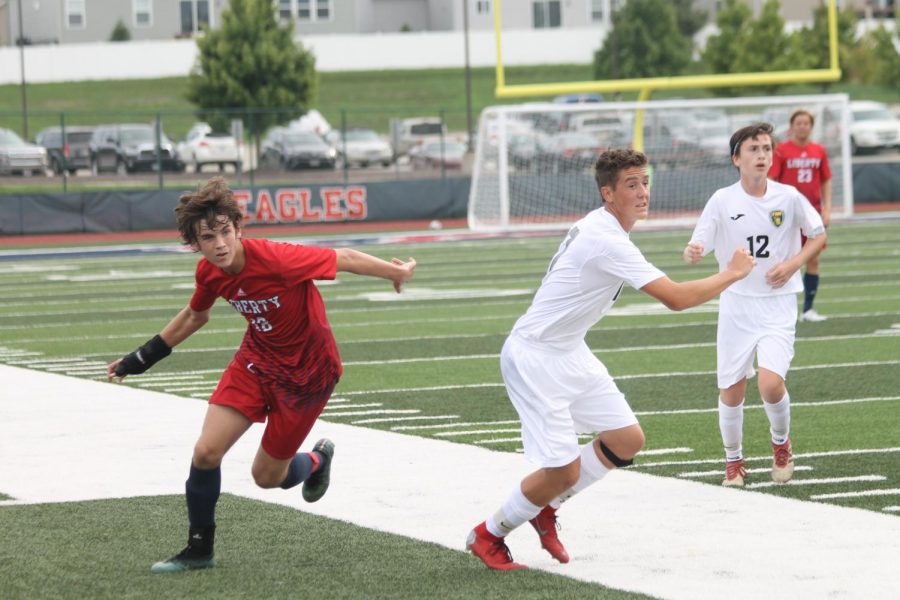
(533, 161)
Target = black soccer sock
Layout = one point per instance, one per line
(299, 469)
(201, 540)
(810, 286)
(202, 490)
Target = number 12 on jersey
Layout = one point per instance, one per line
(762, 241)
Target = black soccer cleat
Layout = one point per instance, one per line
(317, 483)
(186, 560)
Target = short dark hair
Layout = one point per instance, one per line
(803, 111)
(750, 132)
(614, 161)
(208, 203)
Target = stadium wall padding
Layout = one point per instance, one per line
(93, 212)
(97, 212)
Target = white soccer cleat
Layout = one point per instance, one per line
(811, 316)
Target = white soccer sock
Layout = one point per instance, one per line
(515, 511)
(731, 424)
(779, 415)
(592, 471)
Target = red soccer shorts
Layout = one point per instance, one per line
(289, 416)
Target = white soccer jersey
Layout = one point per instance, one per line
(584, 279)
(769, 227)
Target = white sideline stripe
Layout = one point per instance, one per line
(497, 440)
(820, 481)
(861, 494)
(343, 406)
(719, 472)
(170, 380)
(398, 419)
(660, 451)
(712, 461)
(477, 432)
(687, 411)
(391, 411)
(665, 540)
(891, 509)
(445, 425)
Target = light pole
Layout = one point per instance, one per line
(22, 71)
(468, 78)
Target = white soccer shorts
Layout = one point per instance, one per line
(763, 326)
(559, 395)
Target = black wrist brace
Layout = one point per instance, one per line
(144, 357)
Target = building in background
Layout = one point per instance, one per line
(85, 21)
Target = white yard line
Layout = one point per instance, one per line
(659, 536)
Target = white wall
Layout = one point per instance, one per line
(174, 58)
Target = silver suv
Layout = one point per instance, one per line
(873, 126)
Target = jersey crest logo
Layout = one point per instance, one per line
(241, 292)
(777, 217)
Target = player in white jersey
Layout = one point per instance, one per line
(757, 316)
(557, 385)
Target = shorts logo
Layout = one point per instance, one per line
(777, 217)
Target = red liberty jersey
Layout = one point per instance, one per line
(288, 342)
(804, 167)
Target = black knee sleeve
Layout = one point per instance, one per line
(619, 462)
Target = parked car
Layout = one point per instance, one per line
(18, 156)
(72, 155)
(606, 127)
(127, 147)
(430, 155)
(203, 146)
(568, 151)
(361, 147)
(873, 127)
(285, 148)
(578, 98)
(409, 133)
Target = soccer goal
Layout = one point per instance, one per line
(533, 161)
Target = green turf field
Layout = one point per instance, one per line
(426, 363)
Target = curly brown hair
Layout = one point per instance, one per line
(211, 201)
(614, 161)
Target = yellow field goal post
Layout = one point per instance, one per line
(506, 184)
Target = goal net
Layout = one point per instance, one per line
(533, 161)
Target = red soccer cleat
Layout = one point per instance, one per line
(546, 525)
(492, 550)
(782, 463)
(735, 473)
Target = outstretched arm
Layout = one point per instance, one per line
(181, 327)
(679, 296)
(360, 263)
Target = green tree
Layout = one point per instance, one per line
(252, 61)
(722, 50)
(813, 42)
(875, 59)
(644, 41)
(747, 45)
(690, 21)
(120, 33)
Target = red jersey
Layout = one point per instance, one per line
(804, 167)
(288, 341)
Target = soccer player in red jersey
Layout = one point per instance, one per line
(285, 369)
(804, 165)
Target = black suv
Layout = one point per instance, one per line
(126, 147)
(73, 155)
(291, 149)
